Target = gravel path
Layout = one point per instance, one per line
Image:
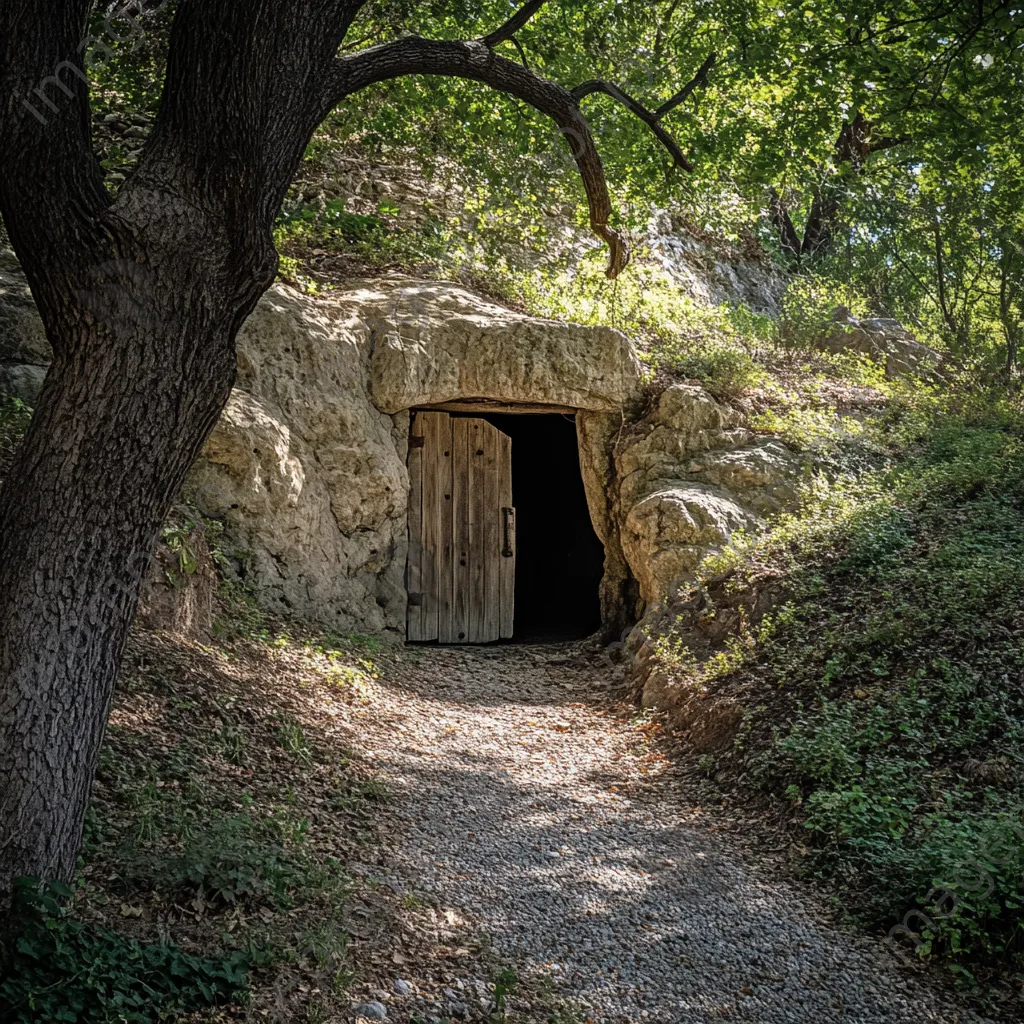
(514, 809)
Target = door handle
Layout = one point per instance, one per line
(508, 532)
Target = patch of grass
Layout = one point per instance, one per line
(232, 741)
(240, 618)
(292, 739)
(677, 336)
(370, 644)
(326, 941)
(183, 841)
(307, 229)
(231, 859)
(726, 372)
(226, 808)
(413, 902)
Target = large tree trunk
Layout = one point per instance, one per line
(141, 297)
(140, 374)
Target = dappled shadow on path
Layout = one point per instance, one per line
(514, 801)
(544, 674)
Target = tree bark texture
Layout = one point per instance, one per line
(141, 297)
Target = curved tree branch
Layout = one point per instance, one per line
(477, 62)
(783, 223)
(698, 81)
(513, 25)
(522, 53)
(635, 107)
(652, 118)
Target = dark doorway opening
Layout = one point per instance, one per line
(559, 559)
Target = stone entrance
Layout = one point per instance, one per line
(307, 467)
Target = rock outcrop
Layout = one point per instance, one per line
(437, 343)
(884, 340)
(306, 473)
(710, 273)
(307, 465)
(691, 475)
(306, 468)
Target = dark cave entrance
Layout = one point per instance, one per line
(501, 546)
(559, 559)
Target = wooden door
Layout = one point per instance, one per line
(461, 570)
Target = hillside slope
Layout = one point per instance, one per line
(859, 676)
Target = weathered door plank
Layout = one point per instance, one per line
(435, 579)
(460, 579)
(479, 555)
(492, 541)
(458, 631)
(443, 460)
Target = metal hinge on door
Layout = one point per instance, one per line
(416, 441)
(509, 532)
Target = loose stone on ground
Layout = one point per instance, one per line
(538, 816)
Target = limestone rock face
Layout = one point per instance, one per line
(669, 532)
(435, 343)
(691, 475)
(764, 474)
(307, 464)
(308, 476)
(709, 275)
(883, 339)
(306, 467)
(684, 421)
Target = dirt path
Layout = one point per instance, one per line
(538, 818)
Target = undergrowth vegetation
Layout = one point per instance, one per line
(63, 970)
(729, 348)
(884, 693)
(212, 879)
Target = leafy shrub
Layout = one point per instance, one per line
(187, 535)
(893, 671)
(58, 969)
(240, 618)
(725, 372)
(226, 859)
(808, 312)
(372, 239)
(330, 221)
